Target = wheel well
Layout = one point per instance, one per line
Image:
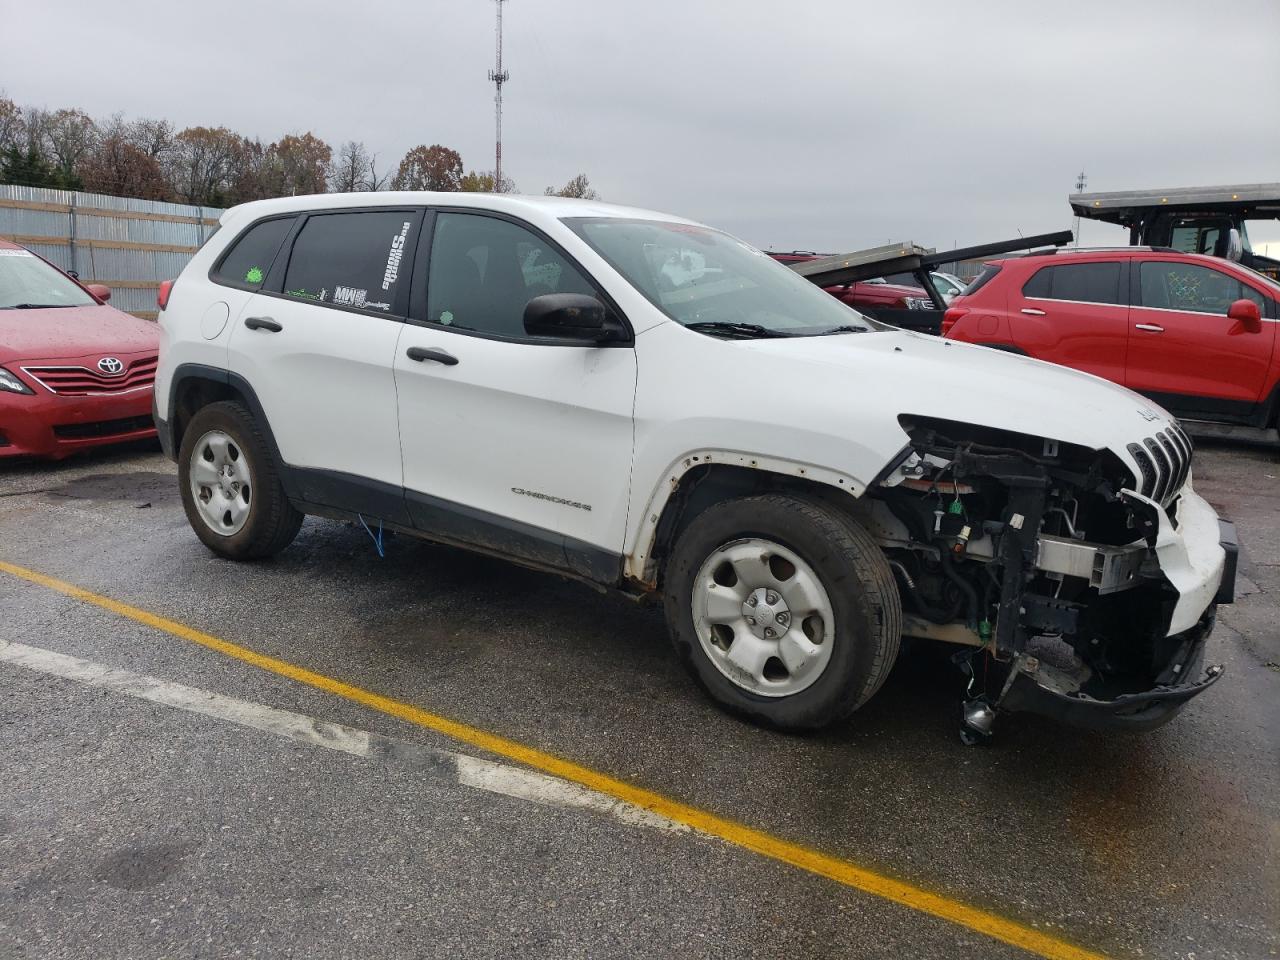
(191, 395)
(704, 485)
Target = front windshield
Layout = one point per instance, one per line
(711, 282)
(27, 282)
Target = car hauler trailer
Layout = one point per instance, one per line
(834, 272)
(1190, 219)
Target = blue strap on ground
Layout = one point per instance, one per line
(377, 541)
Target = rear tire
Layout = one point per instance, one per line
(792, 564)
(231, 489)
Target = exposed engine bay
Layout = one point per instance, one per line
(1041, 558)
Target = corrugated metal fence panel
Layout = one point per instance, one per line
(88, 236)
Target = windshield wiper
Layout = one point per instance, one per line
(844, 329)
(36, 306)
(734, 329)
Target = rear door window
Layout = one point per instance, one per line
(353, 260)
(249, 260)
(1082, 282)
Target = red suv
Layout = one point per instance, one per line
(1197, 334)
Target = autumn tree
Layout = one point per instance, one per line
(429, 168)
(119, 167)
(10, 123)
(298, 165)
(579, 186)
(476, 181)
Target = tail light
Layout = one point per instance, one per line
(950, 317)
(162, 295)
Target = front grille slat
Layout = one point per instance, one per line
(1146, 482)
(1163, 467)
(1178, 459)
(85, 382)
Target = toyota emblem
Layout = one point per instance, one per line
(110, 366)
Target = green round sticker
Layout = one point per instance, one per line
(447, 317)
(254, 275)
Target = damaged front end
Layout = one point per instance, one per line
(1085, 582)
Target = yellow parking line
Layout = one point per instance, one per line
(842, 871)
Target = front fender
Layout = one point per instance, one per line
(638, 562)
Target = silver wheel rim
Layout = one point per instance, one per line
(218, 473)
(763, 617)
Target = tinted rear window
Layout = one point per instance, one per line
(351, 259)
(247, 262)
(1084, 282)
(988, 273)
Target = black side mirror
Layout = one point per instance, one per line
(569, 316)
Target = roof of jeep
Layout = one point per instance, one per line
(519, 204)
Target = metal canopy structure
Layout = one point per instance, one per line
(911, 258)
(886, 260)
(1129, 208)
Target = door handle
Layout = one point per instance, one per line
(262, 323)
(1032, 312)
(1149, 327)
(431, 353)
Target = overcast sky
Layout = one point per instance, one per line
(828, 124)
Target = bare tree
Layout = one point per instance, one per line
(204, 163)
(375, 181)
(579, 186)
(429, 168)
(349, 173)
(68, 135)
(152, 137)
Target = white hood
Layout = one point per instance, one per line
(949, 380)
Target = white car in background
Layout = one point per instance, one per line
(948, 284)
(648, 404)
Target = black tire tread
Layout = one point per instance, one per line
(854, 547)
(271, 531)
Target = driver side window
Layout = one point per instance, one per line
(1171, 285)
(484, 270)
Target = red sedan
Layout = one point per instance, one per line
(74, 372)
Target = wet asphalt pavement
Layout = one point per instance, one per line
(132, 829)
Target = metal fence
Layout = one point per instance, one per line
(129, 245)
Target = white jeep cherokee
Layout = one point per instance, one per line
(646, 403)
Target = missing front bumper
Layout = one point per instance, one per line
(1139, 711)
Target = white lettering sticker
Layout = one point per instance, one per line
(350, 296)
(393, 257)
(16, 253)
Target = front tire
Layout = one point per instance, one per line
(231, 490)
(783, 609)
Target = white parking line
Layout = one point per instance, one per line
(467, 771)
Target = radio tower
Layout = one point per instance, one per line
(499, 77)
(1080, 183)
